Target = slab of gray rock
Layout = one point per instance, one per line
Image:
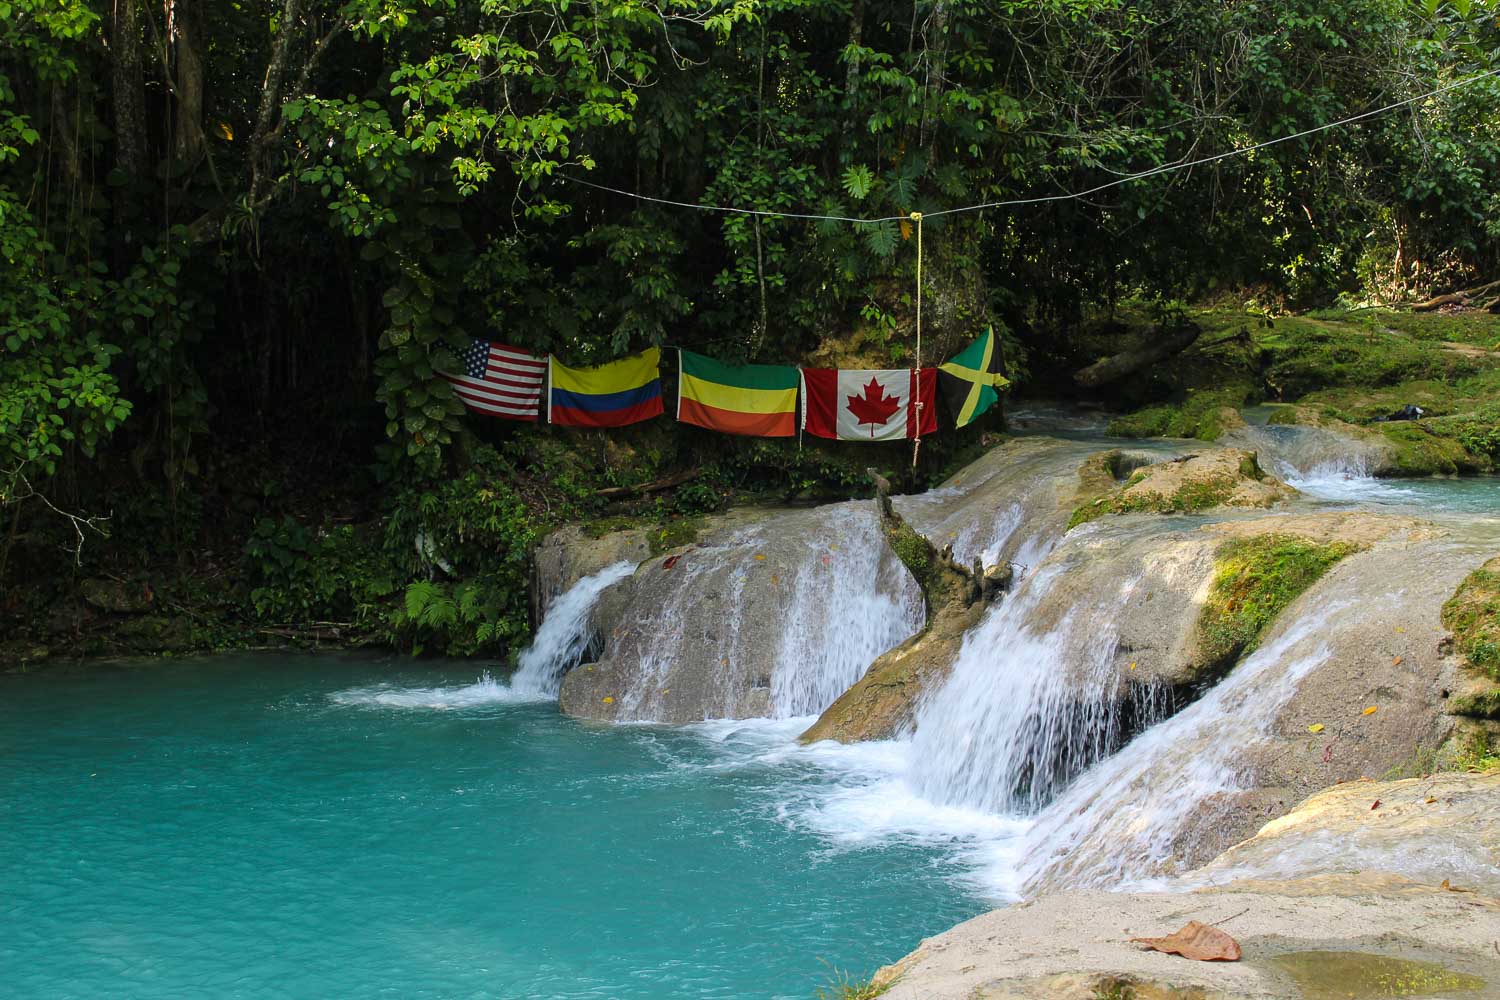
(1076, 945)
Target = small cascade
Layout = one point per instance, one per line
(1127, 817)
(1313, 459)
(837, 623)
(774, 618)
(564, 635)
(1027, 707)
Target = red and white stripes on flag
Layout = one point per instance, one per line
(499, 380)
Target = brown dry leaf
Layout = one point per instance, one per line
(671, 561)
(1197, 941)
(1375, 804)
(1431, 799)
(1396, 662)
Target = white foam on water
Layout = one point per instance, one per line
(860, 795)
(559, 644)
(485, 691)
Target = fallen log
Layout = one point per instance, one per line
(1117, 366)
(1485, 296)
(645, 488)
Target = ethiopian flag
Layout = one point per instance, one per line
(613, 395)
(971, 380)
(760, 400)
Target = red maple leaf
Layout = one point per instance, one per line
(873, 406)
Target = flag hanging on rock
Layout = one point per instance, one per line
(971, 380)
(613, 395)
(499, 380)
(869, 405)
(760, 400)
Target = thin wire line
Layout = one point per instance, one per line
(1041, 199)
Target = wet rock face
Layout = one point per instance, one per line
(571, 553)
(1430, 829)
(116, 596)
(1347, 683)
(769, 613)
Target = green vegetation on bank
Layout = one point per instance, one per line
(239, 247)
(1358, 366)
(1254, 580)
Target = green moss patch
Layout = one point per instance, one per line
(1197, 416)
(1419, 451)
(1198, 495)
(1472, 614)
(1254, 580)
(1478, 706)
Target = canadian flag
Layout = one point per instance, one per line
(869, 405)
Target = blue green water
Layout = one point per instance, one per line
(280, 826)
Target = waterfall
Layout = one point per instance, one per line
(564, 635)
(1126, 817)
(838, 623)
(1313, 459)
(775, 617)
(1025, 709)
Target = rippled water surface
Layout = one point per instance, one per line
(277, 826)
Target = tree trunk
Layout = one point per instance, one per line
(851, 78)
(128, 89)
(190, 141)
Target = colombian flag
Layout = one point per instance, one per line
(759, 400)
(613, 395)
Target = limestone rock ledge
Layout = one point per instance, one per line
(1076, 945)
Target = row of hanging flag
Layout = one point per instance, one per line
(757, 400)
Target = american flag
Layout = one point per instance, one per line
(499, 380)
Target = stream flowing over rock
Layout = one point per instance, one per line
(1087, 706)
(770, 613)
(1365, 635)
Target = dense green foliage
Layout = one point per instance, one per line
(239, 242)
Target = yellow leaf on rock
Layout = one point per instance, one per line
(1400, 629)
(226, 131)
(760, 557)
(608, 700)
(1316, 727)
(1369, 711)
(1132, 664)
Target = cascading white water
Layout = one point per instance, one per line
(1023, 711)
(774, 618)
(559, 643)
(837, 622)
(1122, 819)
(564, 634)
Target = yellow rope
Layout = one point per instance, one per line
(916, 218)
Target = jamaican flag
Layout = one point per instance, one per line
(970, 381)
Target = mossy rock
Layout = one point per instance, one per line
(1221, 477)
(1472, 614)
(1204, 415)
(1418, 451)
(1254, 580)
